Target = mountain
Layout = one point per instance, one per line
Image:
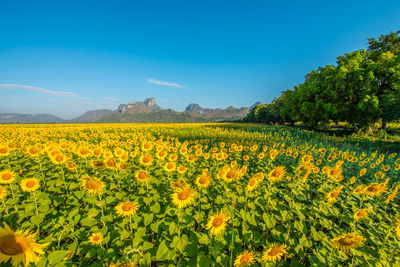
(141, 112)
(28, 118)
(91, 116)
(149, 111)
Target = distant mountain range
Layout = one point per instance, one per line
(143, 112)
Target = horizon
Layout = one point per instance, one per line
(67, 58)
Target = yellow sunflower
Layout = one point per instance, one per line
(274, 252)
(277, 174)
(217, 223)
(170, 166)
(375, 189)
(181, 169)
(142, 176)
(178, 185)
(127, 208)
(146, 160)
(19, 246)
(92, 185)
(346, 242)
(398, 228)
(360, 214)
(245, 259)
(58, 159)
(7, 177)
(98, 164)
(96, 239)
(30, 184)
(3, 193)
(203, 180)
(183, 197)
(253, 183)
(331, 196)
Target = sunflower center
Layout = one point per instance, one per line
(231, 174)
(147, 146)
(170, 165)
(142, 176)
(146, 159)
(98, 163)
(373, 188)
(245, 258)
(30, 184)
(10, 246)
(184, 194)
(127, 206)
(252, 182)
(96, 238)
(111, 163)
(274, 252)
(84, 151)
(92, 184)
(335, 194)
(218, 221)
(6, 176)
(203, 180)
(3, 150)
(346, 241)
(59, 158)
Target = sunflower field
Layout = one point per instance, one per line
(193, 195)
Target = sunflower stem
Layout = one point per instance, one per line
(36, 208)
(5, 207)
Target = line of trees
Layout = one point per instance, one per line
(362, 89)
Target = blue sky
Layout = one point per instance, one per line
(67, 57)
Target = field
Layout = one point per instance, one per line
(194, 195)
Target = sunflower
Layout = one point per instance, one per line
(245, 259)
(183, 197)
(203, 180)
(277, 174)
(359, 189)
(19, 246)
(335, 173)
(146, 160)
(4, 150)
(127, 208)
(360, 214)
(30, 184)
(217, 223)
(70, 165)
(181, 169)
(375, 189)
(170, 166)
(98, 164)
(253, 183)
(178, 185)
(142, 176)
(274, 253)
(331, 196)
(111, 164)
(3, 193)
(58, 159)
(346, 242)
(84, 152)
(96, 239)
(92, 185)
(7, 177)
(398, 228)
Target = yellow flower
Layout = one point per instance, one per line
(96, 239)
(375, 189)
(127, 208)
(3, 193)
(20, 247)
(98, 164)
(58, 159)
(183, 197)
(7, 177)
(331, 196)
(142, 176)
(277, 174)
(274, 253)
(398, 228)
(146, 160)
(346, 242)
(203, 180)
(170, 166)
(360, 215)
(244, 259)
(217, 223)
(29, 184)
(92, 185)
(253, 183)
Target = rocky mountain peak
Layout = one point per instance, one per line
(150, 102)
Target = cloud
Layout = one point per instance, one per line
(154, 81)
(113, 99)
(11, 86)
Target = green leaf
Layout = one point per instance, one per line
(57, 256)
(162, 251)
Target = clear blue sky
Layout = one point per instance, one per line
(67, 57)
